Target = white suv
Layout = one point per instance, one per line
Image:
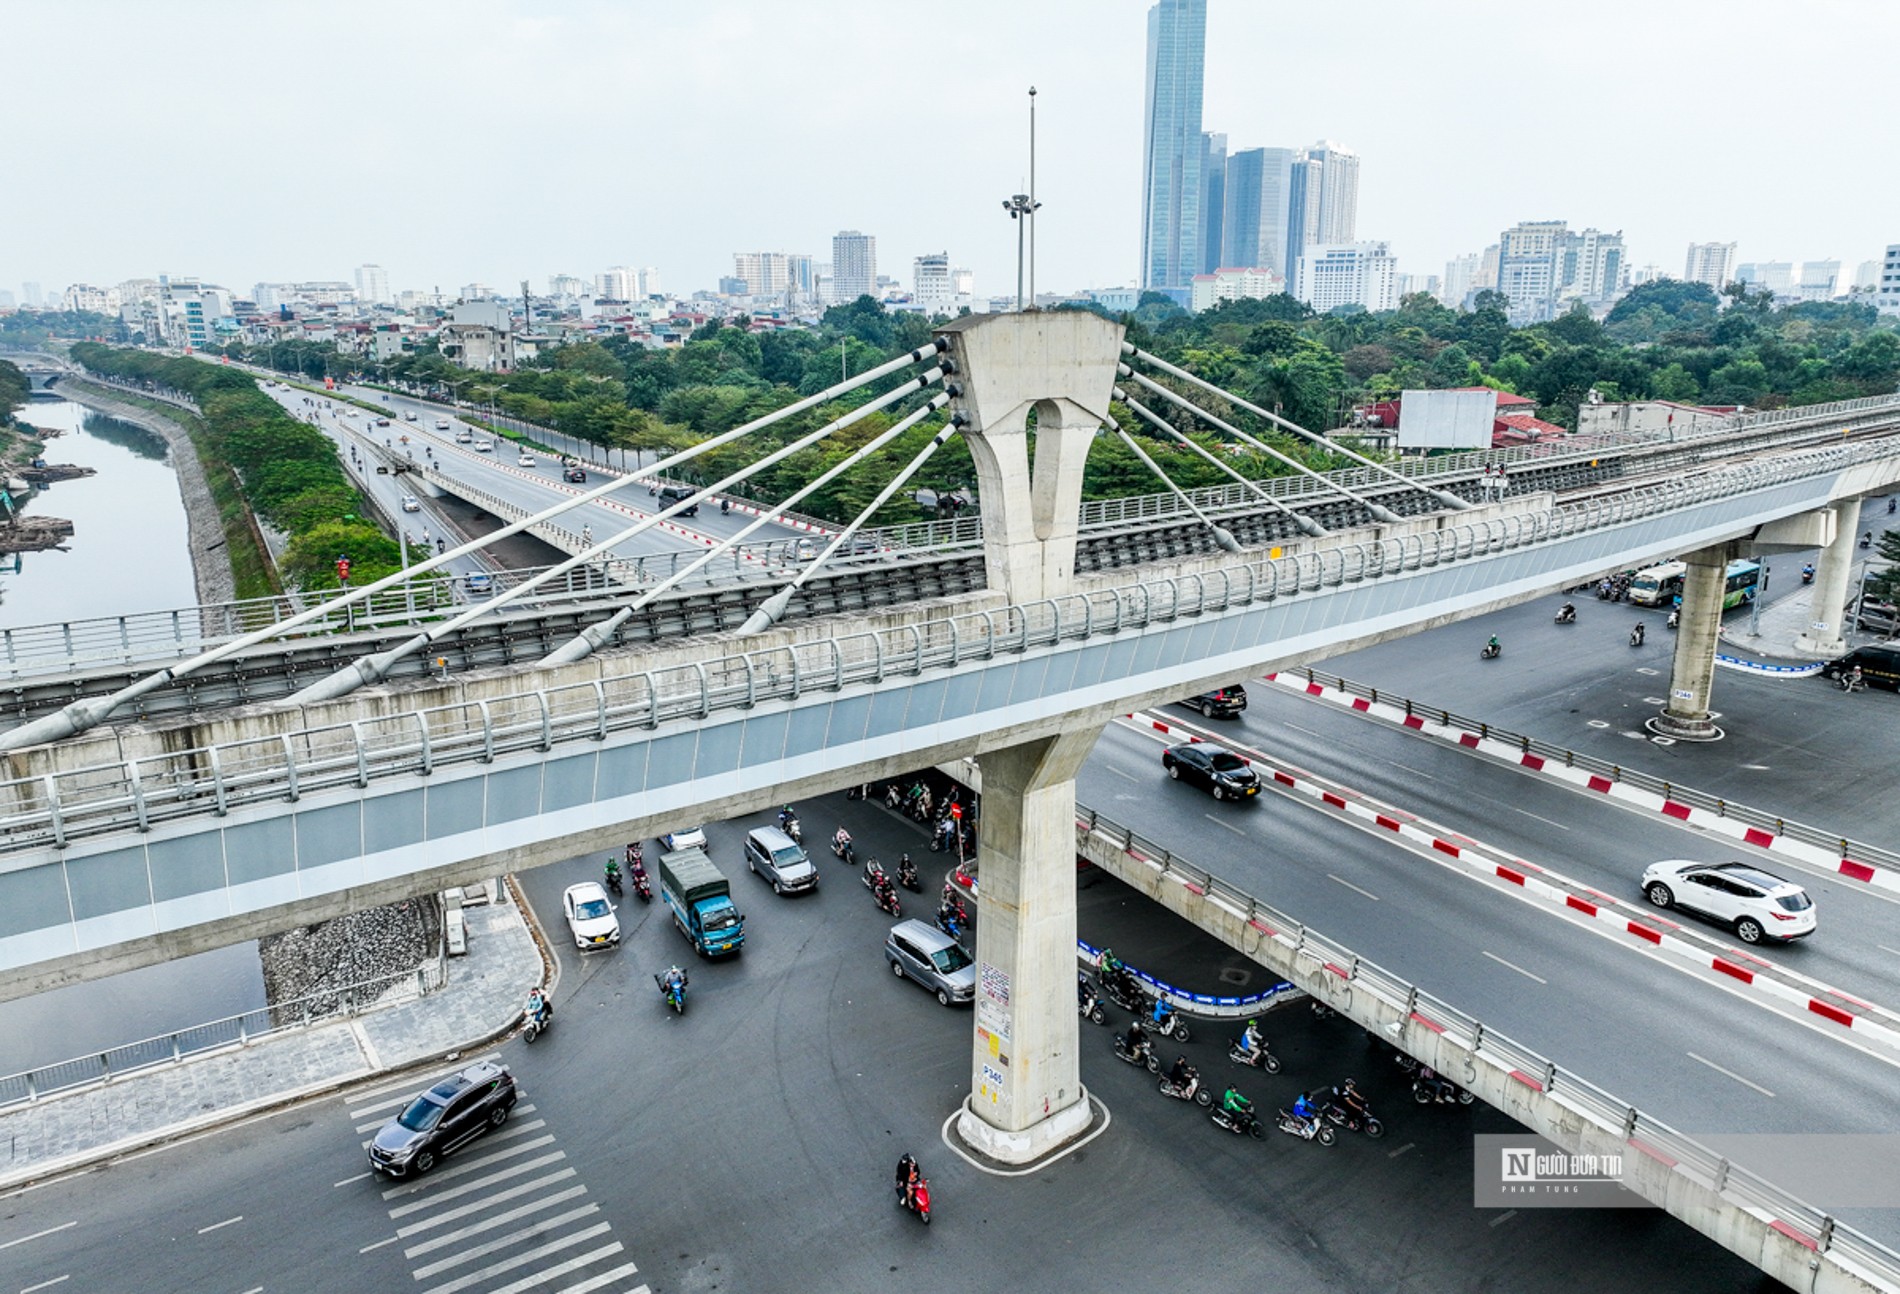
(1759, 906)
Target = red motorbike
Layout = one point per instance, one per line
(917, 1200)
(641, 885)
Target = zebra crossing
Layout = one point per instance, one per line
(504, 1215)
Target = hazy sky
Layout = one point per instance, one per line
(494, 140)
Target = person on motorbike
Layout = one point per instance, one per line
(1348, 1097)
(786, 817)
(613, 872)
(1234, 1103)
(1180, 1074)
(1252, 1042)
(1807, 572)
(907, 1177)
(1304, 1111)
(1493, 644)
(1163, 1014)
(1083, 990)
(672, 983)
(1135, 1041)
(839, 841)
(906, 870)
(1566, 612)
(538, 1008)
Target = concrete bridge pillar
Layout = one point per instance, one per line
(1825, 636)
(1686, 717)
(1061, 366)
(1026, 1096)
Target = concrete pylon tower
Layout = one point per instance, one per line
(1061, 366)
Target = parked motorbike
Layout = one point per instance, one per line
(918, 1201)
(1188, 1091)
(1143, 1055)
(907, 874)
(1432, 1088)
(1262, 1059)
(1318, 1130)
(1353, 1120)
(1238, 1122)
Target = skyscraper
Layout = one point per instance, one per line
(1710, 263)
(1254, 229)
(1172, 146)
(1213, 197)
(372, 284)
(1303, 189)
(930, 281)
(853, 266)
(1337, 213)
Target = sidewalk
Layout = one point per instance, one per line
(1780, 623)
(482, 998)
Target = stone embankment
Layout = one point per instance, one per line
(363, 946)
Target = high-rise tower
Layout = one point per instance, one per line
(1172, 150)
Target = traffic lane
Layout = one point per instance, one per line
(1797, 747)
(163, 1221)
(1432, 926)
(803, 1069)
(1586, 837)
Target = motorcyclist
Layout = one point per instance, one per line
(1252, 1042)
(786, 817)
(1304, 1111)
(1163, 1013)
(1636, 634)
(1180, 1074)
(1083, 990)
(1807, 572)
(1567, 612)
(907, 1177)
(1346, 1096)
(633, 855)
(1854, 681)
(1494, 644)
(725, 506)
(1234, 1103)
(538, 1009)
(613, 872)
(672, 982)
(947, 918)
(1135, 1041)
(906, 870)
(839, 841)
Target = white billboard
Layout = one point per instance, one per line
(1446, 419)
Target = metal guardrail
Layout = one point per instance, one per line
(56, 808)
(1736, 1183)
(321, 1007)
(1848, 850)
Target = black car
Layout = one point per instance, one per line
(1221, 703)
(1220, 770)
(1879, 663)
(574, 474)
(671, 494)
(443, 1119)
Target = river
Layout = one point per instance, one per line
(129, 552)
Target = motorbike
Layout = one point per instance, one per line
(873, 876)
(1238, 1122)
(1322, 1011)
(950, 924)
(1490, 651)
(1318, 1130)
(886, 896)
(1262, 1059)
(1603, 591)
(907, 875)
(844, 851)
(1188, 1091)
(1168, 1026)
(1853, 682)
(1143, 1055)
(954, 901)
(1123, 991)
(641, 885)
(1807, 575)
(1636, 635)
(534, 1026)
(1675, 618)
(672, 987)
(788, 823)
(613, 878)
(1567, 616)
(1353, 1120)
(918, 1201)
(1089, 1006)
(1433, 1088)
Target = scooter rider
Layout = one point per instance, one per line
(1180, 1073)
(839, 841)
(907, 1177)
(1567, 612)
(1252, 1042)
(539, 1009)
(1135, 1041)
(1234, 1103)
(1303, 1110)
(1083, 989)
(1162, 1012)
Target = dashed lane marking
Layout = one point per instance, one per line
(379, 1244)
(1514, 966)
(1541, 818)
(1308, 731)
(1503, 1217)
(1729, 1073)
(1221, 823)
(1883, 948)
(1394, 1154)
(47, 1284)
(346, 1181)
(215, 1225)
(1354, 888)
(37, 1234)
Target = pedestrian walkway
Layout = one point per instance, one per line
(483, 996)
(518, 1217)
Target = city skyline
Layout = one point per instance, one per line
(1444, 169)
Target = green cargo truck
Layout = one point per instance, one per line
(701, 901)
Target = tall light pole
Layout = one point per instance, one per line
(1033, 204)
(1019, 208)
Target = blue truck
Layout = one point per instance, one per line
(701, 901)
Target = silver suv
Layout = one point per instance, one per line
(932, 958)
(781, 860)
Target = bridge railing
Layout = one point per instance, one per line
(320, 1007)
(57, 808)
(1633, 1126)
(1848, 850)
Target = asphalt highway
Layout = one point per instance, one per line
(747, 1146)
(1697, 1053)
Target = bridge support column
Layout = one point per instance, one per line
(1830, 588)
(1026, 1096)
(1062, 366)
(1686, 717)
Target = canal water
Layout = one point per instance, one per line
(129, 552)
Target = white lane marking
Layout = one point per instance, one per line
(1308, 731)
(1354, 888)
(487, 1202)
(540, 1251)
(1217, 822)
(1503, 1217)
(467, 1166)
(1541, 818)
(47, 1284)
(215, 1225)
(1883, 948)
(255, 1289)
(1130, 776)
(37, 1234)
(476, 1185)
(1514, 966)
(607, 1278)
(379, 1244)
(547, 1226)
(475, 1228)
(1394, 1154)
(1416, 772)
(1730, 1073)
(346, 1181)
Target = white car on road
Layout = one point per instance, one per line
(690, 838)
(1757, 905)
(526, 459)
(409, 503)
(590, 916)
(484, 446)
